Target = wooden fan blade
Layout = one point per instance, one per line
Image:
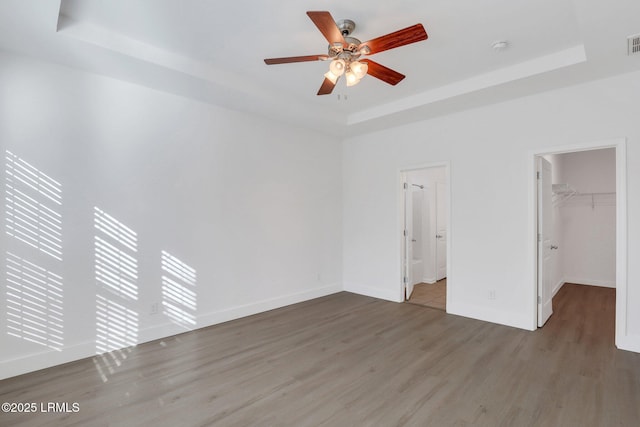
(383, 73)
(327, 87)
(327, 26)
(399, 38)
(289, 59)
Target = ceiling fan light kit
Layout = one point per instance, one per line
(359, 68)
(345, 52)
(337, 67)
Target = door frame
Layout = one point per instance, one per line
(407, 233)
(400, 221)
(437, 188)
(545, 293)
(621, 340)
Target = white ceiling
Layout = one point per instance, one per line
(214, 53)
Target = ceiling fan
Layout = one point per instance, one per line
(345, 51)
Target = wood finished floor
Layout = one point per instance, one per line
(350, 360)
(432, 295)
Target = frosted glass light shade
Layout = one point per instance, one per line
(352, 79)
(337, 67)
(359, 68)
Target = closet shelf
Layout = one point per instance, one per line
(562, 193)
(568, 196)
(562, 189)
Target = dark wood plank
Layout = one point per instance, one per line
(290, 59)
(412, 34)
(383, 73)
(352, 360)
(327, 87)
(327, 26)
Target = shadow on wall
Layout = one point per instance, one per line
(35, 290)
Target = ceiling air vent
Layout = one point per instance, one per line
(634, 44)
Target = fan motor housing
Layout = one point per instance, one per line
(350, 50)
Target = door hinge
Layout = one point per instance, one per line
(404, 280)
(405, 233)
(537, 175)
(539, 237)
(405, 186)
(539, 300)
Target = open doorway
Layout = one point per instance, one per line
(425, 222)
(579, 234)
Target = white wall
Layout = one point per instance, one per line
(588, 224)
(491, 211)
(252, 205)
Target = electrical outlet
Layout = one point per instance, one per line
(492, 294)
(154, 308)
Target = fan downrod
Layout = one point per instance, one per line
(346, 26)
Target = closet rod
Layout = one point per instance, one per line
(595, 194)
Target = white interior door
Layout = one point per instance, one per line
(441, 231)
(417, 261)
(408, 244)
(545, 227)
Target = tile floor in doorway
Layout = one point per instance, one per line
(432, 295)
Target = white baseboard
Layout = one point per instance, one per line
(557, 287)
(429, 280)
(590, 282)
(46, 359)
(237, 312)
(488, 314)
(49, 358)
(385, 294)
(629, 343)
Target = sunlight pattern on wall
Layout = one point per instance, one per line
(117, 326)
(178, 291)
(34, 303)
(33, 200)
(34, 294)
(116, 270)
(117, 231)
(116, 273)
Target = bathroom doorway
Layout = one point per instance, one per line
(425, 236)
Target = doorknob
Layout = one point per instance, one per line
(438, 236)
(554, 247)
(413, 240)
